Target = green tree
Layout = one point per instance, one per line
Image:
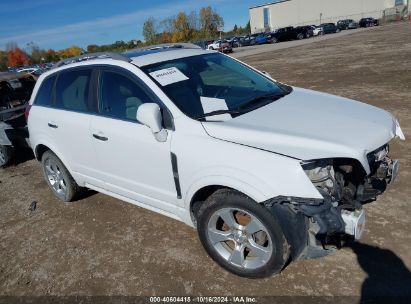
(210, 21)
(247, 28)
(149, 30)
(92, 48)
(3, 60)
(181, 28)
(37, 55)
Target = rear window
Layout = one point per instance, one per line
(72, 90)
(43, 97)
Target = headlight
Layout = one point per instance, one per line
(378, 155)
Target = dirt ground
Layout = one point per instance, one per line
(103, 246)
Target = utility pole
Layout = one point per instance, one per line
(321, 15)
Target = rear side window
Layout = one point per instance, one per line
(72, 90)
(43, 97)
(120, 97)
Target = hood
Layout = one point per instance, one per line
(310, 125)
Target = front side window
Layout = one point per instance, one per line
(72, 90)
(43, 97)
(120, 96)
(202, 84)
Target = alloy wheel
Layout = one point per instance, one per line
(240, 238)
(55, 177)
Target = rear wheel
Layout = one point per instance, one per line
(6, 153)
(300, 36)
(58, 177)
(241, 236)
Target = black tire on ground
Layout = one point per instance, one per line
(72, 189)
(6, 155)
(227, 198)
(300, 36)
(275, 40)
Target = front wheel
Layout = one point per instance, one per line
(241, 235)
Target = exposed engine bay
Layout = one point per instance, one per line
(345, 186)
(345, 180)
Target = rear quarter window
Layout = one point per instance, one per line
(72, 90)
(43, 97)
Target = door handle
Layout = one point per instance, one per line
(102, 138)
(51, 125)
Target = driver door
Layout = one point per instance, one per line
(133, 163)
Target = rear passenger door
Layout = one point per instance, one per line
(134, 164)
(68, 121)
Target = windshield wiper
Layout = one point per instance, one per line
(265, 99)
(255, 102)
(218, 112)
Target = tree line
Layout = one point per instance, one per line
(203, 24)
(197, 25)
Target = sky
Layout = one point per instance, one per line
(59, 24)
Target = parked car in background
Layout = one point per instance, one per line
(263, 39)
(202, 43)
(27, 70)
(317, 30)
(221, 45)
(246, 41)
(286, 34)
(343, 24)
(352, 25)
(330, 28)
(306, 30)
(368, 22)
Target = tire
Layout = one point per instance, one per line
(300, 36)
(275, 40)
(58, 178)
(255, 249)
(6, 155)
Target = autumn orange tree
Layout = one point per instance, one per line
(16, 57)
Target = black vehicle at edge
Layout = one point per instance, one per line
(330, 28)
(368, 22)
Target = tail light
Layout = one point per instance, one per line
(27, 112)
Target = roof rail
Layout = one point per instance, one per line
(182, 45)
(164, 46)
(91, 56)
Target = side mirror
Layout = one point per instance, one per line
(149, 114)
(266, 73)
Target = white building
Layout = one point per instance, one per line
(284, 13)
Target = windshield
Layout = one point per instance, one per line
(213, 83)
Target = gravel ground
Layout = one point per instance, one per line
(102, 246)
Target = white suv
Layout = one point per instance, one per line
(265, 172)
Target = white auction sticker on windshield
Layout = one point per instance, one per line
(210, 104)
(168, 76)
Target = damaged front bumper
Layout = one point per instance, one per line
(318, 225)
